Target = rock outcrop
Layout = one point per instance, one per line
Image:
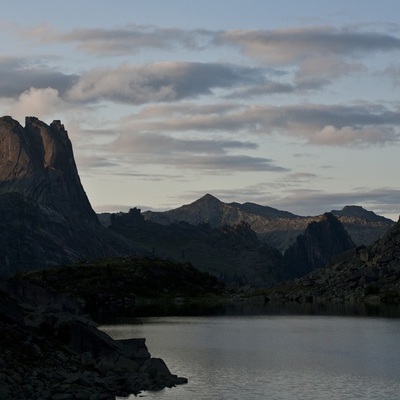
(46, 216)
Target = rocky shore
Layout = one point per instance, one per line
(49, 350)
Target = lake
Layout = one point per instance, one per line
(282, 357)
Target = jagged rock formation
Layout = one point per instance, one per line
(46, 215)
(319, 243)
(365, 274)
(275, 227)
(38, 162)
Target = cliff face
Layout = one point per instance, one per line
(38, 162)
(46, 217)
(313, 249)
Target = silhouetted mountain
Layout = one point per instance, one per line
(275, 227)
(46, 217)
(319, 243)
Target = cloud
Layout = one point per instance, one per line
(156, 143)
(319, 70)
(328, 125)
(196, 154)
(42, 103)
(128, 39)
(223, 164)
(316, 55)
(278, 46)
(294, 45)
(19, 74)
(320, 54)
(262, 89)
(329, 135)
(160, 82)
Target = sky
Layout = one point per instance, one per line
(289, 104)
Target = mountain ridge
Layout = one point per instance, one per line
(276, 227)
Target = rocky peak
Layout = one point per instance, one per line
(37, 161)
(46, 216)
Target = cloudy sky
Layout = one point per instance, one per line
(290, 104)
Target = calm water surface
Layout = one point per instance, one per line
(273, 357)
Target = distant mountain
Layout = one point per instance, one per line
(46, 217)
(275, 227)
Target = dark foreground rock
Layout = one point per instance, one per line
(50, 351)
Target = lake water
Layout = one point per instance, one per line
(278, 357)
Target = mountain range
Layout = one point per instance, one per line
(247, 243)
(47, 220)
(275, 227)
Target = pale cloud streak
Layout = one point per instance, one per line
(195, 154)
(360, 125)
(160, 82)
(128, 39)
(320, 54)
(291, 46)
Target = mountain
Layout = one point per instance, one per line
(319, 243)
(232, 253)
(37, 161)
(46, 217)
(364, 274)
(275, 227)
